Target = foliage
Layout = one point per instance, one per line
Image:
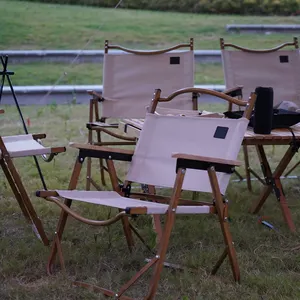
(244, 7)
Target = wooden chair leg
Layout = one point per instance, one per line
(284, 206)
(274, 183)
(101, 165)
(163, 246)
(57, 239)
(156, 219)
(23, 199)
(247, 167)
(59, 252)
(88, 174)
(125, 221)
(90, 141)
(63, 216)
(15, 190)
(222, 211)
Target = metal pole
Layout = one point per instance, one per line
(5, 73)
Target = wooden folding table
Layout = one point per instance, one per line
(271, 181)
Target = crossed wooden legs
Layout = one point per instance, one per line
(220, 207)
(22, 197)
(56, 247)
(273, 183)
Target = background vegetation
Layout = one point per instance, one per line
(28, 25)
(244, 7)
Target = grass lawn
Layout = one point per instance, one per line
(47, 74)
(269, 268)
(26, 25)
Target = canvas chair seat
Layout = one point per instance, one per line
(23, 145)
(113, 199)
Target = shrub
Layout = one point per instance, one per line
(243, 7)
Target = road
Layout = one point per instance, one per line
(46, 95)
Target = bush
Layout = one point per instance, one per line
(243, 7)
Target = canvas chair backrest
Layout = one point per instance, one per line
(129, 79)
(279, 69)
(163, 135)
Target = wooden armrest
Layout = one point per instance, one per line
(39, 136)
(100, 148)
(100, 125)
(58, 149)
(207, 159)
(44, 194)
(95, 94)
(234, 92)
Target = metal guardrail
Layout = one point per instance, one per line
(263, 28)
(41, 89)
(66, 94)
(86, 56)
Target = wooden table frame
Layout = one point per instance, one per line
(272, 182)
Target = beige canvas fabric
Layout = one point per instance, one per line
(113, 199)
(23, 145)
(163, 135)
(129, 81)
(175, 112)
(264, 69)
(187, 113)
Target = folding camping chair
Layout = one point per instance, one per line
(251, 68)
(203, 162)
(20, 146)
(129, 78)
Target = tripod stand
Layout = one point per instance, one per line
(6, 75)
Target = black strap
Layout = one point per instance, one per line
(295, 143)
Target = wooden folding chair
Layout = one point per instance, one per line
(250, 68)
(186, 153)
(129, 78)
(20, 146)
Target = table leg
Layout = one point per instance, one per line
(247, 168)
(265, 166)
(274, 183)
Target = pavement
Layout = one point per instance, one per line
(67, 94)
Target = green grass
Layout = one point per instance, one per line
(269, 268)
(26, 25)
(47, 74)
